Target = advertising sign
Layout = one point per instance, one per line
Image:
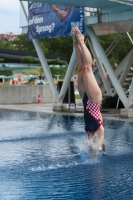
(48, 20)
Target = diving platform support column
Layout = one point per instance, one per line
(46, 68)
(108, 67)
(120, 68)
(71, 67)
(128, 64)
(43, 61)
(131, 94)
(124, 63)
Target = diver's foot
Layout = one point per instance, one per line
(79, 36)
(74, 36)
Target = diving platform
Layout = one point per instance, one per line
(102, 17)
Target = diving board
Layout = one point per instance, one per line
(100, 4)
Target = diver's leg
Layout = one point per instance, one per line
(91, 87)
(81, 87)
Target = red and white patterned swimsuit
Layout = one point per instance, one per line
(92, 116)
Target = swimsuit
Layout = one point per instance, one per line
(92, 115)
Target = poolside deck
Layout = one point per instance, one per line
(48, 107)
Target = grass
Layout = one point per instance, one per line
(77, 96)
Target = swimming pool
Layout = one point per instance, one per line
(45, 156)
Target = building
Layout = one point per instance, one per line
(8, 36)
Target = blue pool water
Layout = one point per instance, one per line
(45, 156)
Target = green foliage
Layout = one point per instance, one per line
(113, 61)
(63, 46)
(6, 45)
(36, 71)
(6, 72)
(106, 40)
(58, 71)
(121, 49)
(76, 70)
(77, 96)
(53, 61)
(1, 59)
(22, 44)
(28, 59)
(45, 50)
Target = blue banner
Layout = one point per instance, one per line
(48, 20)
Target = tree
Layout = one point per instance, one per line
(58, 71)
(36, 71)
(22, 44)
(45, 50)
(63, 46)
(28, 59)
(6, 72)
(53, 61)
(1, 59)
(121, 49)
(6, 45)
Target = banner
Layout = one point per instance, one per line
(48, 20)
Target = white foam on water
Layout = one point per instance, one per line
(85, 158)
(53, 167)
(80, 156)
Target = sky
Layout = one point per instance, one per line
(10, 16)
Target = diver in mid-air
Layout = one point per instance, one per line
(89, 92)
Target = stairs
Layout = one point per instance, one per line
(125, 85)
(128, 80)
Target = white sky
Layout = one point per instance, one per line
(10, 16)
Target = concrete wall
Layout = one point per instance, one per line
(19, 94)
